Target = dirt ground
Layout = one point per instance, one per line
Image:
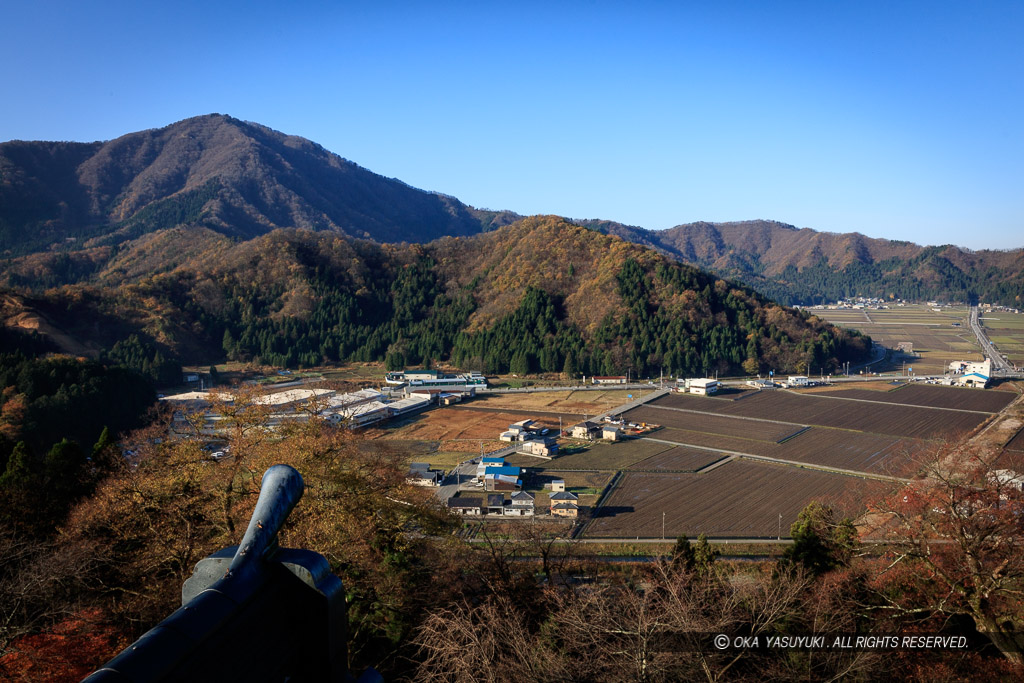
(575, 402)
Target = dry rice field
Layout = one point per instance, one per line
(557, 402)
(677, 459)
(933, 334)
(930, 396)
(1016, 444)
(455, 423)
(740, 499)
(1006, 331)
(855, 414)
(743, 428)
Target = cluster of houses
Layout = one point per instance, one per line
(562, 503)
(494, 474)
(532, 438)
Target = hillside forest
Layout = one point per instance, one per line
(561, 298)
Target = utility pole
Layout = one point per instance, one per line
(663, 525)
(780, 526)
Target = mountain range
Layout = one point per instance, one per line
(67, 209)
(214, 238)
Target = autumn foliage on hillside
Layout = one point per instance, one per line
(561, 298)
(425, 605)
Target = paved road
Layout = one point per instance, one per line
(999, 364)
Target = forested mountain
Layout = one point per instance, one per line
(65, 207)
(233, 177)
(803, 266)
(541, 295)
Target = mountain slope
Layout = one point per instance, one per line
(236, 178)
(64, 206)
(803, 266)
(540, 295)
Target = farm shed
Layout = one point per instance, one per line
(611, 433)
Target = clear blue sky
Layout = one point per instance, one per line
(895, 119)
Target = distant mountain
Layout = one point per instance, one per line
(803, 266)
(540, 295)
(67, 209)
(233, 177)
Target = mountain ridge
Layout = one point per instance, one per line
(235, 177)
(62, 204)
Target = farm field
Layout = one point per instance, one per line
(578, 403)
(1016, 444)
(678, 459)
(451, 423)
(931, 396)
(869, 427)
(932, 334)
(743, 428)
(740, 499)
(848, 450)
(877, 418)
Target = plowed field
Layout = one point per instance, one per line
(932, 396)
(740, 499)
(743, 428)
(820, 410)
(678, 459)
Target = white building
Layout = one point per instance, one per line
(703, 386)
(966, 366)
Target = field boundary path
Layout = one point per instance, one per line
(889, 403)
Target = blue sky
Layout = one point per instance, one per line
(898, 120)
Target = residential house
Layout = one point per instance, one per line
(567, 510)
(420, 474)
(585, 430)
(521, 506)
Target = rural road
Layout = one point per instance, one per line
(999, 364)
